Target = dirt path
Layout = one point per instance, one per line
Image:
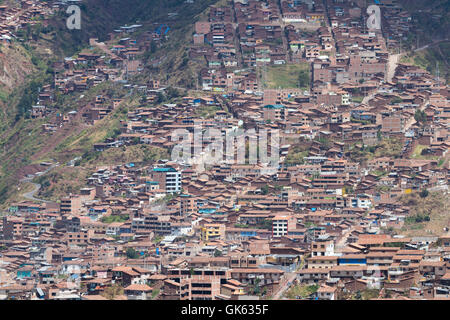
(430, 45)
(392, 64)
(285, 284)
(340, 244)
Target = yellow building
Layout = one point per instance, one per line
(212, 231)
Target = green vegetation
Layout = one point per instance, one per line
(60, 182)
(420, 152)
(430, 21)
(428, 214)
(265, 189)
(437, 55)
(155, 293)
(113, 291)
(366, 294)
(206, 112)
(396, 100)
(424, 193)
(134, 153)
(132, 254)
(157, 239)
(390, 147)
(301, 291)
(417, 218)
(379, 173)
(288, 76)
(357, 99)
(266, 224)
(115, 218)
(420, 116)
(324, 141)
(296, 155)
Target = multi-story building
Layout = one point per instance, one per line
(322, 248)
(169, 179)
(281, 225)
(212, 231)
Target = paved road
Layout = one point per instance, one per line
(30, 195)
(37, 186)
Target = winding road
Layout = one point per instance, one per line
(30, 195)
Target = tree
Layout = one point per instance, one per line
(256, 288)
(303, 79)
(161, 98)
(113, 291)
(132, 254)
(153, 47)
(420, 116)
(267, 224)
(424, 193)
(172, 93)
(265, 189)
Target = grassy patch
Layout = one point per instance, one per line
(357, 99)
(428, 215)
(288, 76)
(391, 147)
(206, 112)
(301, 291)
(417, 153)
(296, 155)
(135, 153)
(115, 218)
(428, 58)
(61, 181)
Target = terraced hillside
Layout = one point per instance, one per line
(22, 144)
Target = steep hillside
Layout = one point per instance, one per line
(101, 17)
(428, 44)
(23, 145)
(433, 58)
(431, 19)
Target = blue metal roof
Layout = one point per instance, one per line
(164, 169)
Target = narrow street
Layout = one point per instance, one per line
(391, 66)
(285, 284)
(283, 34)
(340, 244)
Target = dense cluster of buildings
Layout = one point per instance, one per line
(330, 217)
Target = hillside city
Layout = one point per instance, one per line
(351, 204)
